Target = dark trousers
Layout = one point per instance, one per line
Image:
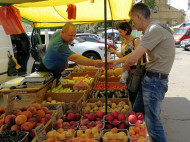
(56, 75)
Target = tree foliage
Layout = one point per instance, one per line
(150, 3)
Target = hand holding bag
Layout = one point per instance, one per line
(134, 79)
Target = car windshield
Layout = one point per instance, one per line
(181, 31)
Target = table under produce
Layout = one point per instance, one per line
(79, 108)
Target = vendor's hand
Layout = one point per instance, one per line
(109, 49)
(111, 64)
(99, 63)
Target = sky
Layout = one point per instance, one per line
(179, 4)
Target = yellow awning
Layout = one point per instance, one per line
(52, 13)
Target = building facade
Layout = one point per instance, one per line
(167, 14)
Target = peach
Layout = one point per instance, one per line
(33, 121)
(1, 123)
(141, 140)
(24, 108)
(131, 132)
(27, 126)
(17, 112)
(41, 113)
(69, 134)
(20, 119)
(45, 109)
(32, 133)
(37, 117)
(32, 110)
(2, 116)
(48, 116)
(114, 130)
(79, 133)
(142, 133)
(36, 105)
(137, 129)
(60, 130)
(143, 127)
(43, 120)
(10, 119)
(58, 124)
(2, 110)
(15, 128)
(28, 114)
(137, 125)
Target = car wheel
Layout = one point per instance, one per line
(92, 56)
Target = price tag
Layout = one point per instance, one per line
(59, 111)
(40, 133)
(53, 118)
(10, 103)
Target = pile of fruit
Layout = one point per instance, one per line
(122, 93)
(135, 117)
(73, 80)
(60, 89)
(138, 131)
(12, 136)
(109, 86)
(2, 115)
(100, 106)
(117, 72)
(27, 119)
(115, 135)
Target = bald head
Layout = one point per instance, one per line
(68, 26)
(68, 32)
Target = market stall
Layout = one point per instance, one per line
(72, 112)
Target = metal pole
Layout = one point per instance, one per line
(105, 28)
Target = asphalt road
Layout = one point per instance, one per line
(175, 113)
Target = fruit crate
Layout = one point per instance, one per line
(11, 133)
(116, 124)
(77, 74)
(101, 102)
(90, 125)
(132, 132)
(27, 96)
(110, 86)
(100, 94)
(97, 138)
(110, 79)
(122, 137)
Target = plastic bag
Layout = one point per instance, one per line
(80, 85)
(124, 77)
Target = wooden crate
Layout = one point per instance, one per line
(27, 96)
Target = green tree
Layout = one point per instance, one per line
(150, 3)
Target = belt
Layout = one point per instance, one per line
(155, 74)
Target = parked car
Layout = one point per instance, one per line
(91, 39)
(185, 44)
(93, 36)
(88, 49)
(181, 34)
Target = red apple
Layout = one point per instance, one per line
(140, 121)
(99, 114)
(115, 114)
(121, 117)
(109, 117)
(77, 117)
(115, 122)
(85, 114)
(71, 117)
(92, 117)
(131, 113)
(109, 126)
(122, 126)
(132, 119)
(139, 116)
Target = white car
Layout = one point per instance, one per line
(88, 49)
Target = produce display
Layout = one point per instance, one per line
(100, 106)
(27, 119)
(138, 131)
(60, 89)
(83, 118)
(102, 86)
(111, 94)
(115, 135)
